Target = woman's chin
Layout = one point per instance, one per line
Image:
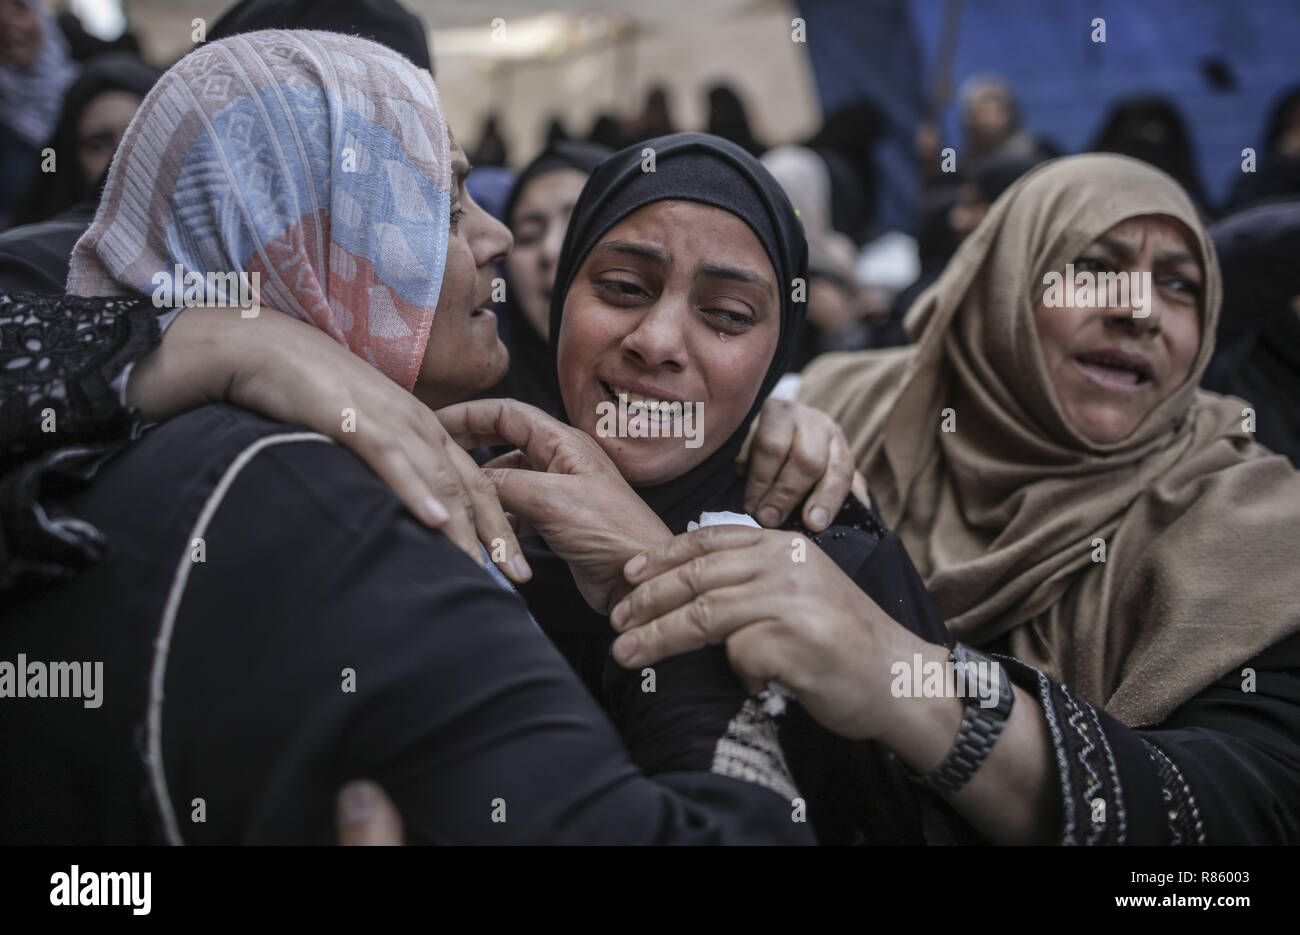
(496, 371)
(1104, 426)
(491, 363)
(644, 462)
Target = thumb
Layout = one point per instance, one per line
(743, 458)
(859, 488)
(367, 817)
(511, 459)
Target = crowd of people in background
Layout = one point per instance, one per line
(863, 278)
(68, 92)
(984, 536)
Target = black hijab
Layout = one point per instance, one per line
(1257, 348)
(531, 377)
(712, 171)
(387, 22)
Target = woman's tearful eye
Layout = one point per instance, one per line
(1186, 290)
(730, 319)
(621, 291)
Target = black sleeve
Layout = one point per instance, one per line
(874, 557)
(1223, 769)
(359, 644)
(59, 356)
(36, 257)
(854, 790)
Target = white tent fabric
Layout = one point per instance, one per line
(530, 60)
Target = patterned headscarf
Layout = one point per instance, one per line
(317, 161)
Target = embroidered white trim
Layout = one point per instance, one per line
(751, 750)
(153, 758)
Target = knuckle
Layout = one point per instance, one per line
(462, 504)
(710, 537)
(841, 460)
(821, 421)
(768, 445)
(807, 461)
(386, 448)
(693, 574)
(783, 495)
(652, 639)
(447, 480)
(479, 485)
(636, 602)
(701, 616)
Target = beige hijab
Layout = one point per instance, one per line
(1201, 525)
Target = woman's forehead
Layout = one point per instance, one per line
(690, 231)
(554, 189)
(1162, 238)
(1160, 228)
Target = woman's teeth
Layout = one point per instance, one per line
(635, 400)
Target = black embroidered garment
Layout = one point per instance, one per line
(1223, 769)
(60, 417)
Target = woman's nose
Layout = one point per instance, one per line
(492, 240)
(658, 340)
(1138, 318)
(552, 245)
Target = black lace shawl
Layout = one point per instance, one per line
(60, 418)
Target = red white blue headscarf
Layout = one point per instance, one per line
(318, 161)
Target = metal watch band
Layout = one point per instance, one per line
(979, 731)
(974, 741)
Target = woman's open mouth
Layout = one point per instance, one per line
(641, 407)
(1115, 370)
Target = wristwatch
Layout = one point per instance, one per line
(977, 677)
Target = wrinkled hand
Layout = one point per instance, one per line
(792, 449)
(784, 610)
(289, 370)
(566, 488)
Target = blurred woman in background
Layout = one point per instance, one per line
(96, 111)
(36, 68)
(537, 213)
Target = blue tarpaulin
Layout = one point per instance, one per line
(1186, 49)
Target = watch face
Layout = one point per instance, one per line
(980, 680)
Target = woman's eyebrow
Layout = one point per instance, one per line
(1118, 247)
(735, 274)
(644, 251)
(460, 170)
(1126, 253)
(1178, 258)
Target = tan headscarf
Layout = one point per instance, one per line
(1201, 525)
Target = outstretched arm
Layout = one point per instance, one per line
(271, 364)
